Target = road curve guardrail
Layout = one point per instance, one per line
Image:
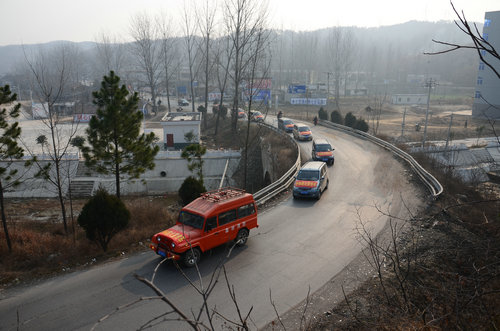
(429, 181)
(284, 182)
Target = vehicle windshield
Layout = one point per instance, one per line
(308, 175)
(287, 122)
(304, 128)
(186, 218)
(323, 148)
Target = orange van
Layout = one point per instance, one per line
(213, 219)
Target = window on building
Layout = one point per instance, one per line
(479, 80)
(481, 65)
(485, 36)
(483, 52)
(487, 22)
(477, 95)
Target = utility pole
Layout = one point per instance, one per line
(327, 85)
(429, 84)
(449, 132)
(403, 125)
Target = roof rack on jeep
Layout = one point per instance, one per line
(222, 194)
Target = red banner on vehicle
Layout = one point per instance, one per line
(306, 183)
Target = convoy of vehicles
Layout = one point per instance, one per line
(228, 214)
(311, 180)
(215, 218)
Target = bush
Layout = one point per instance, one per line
(361, 125)
(190, 190)
(350, 120)
(322, 114)
(103, 216)
(336, 117)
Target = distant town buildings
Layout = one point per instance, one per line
(487, 95)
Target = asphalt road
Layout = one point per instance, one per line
(299, 245)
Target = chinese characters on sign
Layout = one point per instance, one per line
(308, 101)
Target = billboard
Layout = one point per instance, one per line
(258, 95)
(308, 101)
(182, 90)
(296, 89)
(212, 96)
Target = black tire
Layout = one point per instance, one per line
(241, 237)
(327, 182)
(191, 257)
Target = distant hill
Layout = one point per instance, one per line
(397, 48)
(11, 55)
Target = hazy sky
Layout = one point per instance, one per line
(36, 21)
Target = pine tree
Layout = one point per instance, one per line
(115, 145)
(9, 148)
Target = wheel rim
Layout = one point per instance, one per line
(192, 257)
(242, 237)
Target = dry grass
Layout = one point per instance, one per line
(454, 281)
(40, 247)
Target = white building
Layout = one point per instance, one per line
(176, 126)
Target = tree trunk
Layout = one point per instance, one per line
(4, 219)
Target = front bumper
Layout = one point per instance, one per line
(326, 159)
(165, 253)
(305, 193)
(304, 137)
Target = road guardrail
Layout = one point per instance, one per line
(429, 181)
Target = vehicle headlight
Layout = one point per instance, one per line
(173, 245)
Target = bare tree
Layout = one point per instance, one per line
(52, 73)
(189, 26)
(244, 19)
(339, 51)
(170, 58)
(206, 22)
(222, 59)
(147, 50)
(257, 69)
(110, 54)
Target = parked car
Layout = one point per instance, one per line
(285, 124)
(182, 102)
(322, 151)
(301, 132)
(311, 180)
(211, 220)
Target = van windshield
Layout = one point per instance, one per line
(187, 218)
(304, 128)
(323, 148)
(308, 175)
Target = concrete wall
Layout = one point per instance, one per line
(168, 163)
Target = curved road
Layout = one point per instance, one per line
(299, 244)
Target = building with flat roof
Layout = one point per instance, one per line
(487, 94)
(176, 126)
